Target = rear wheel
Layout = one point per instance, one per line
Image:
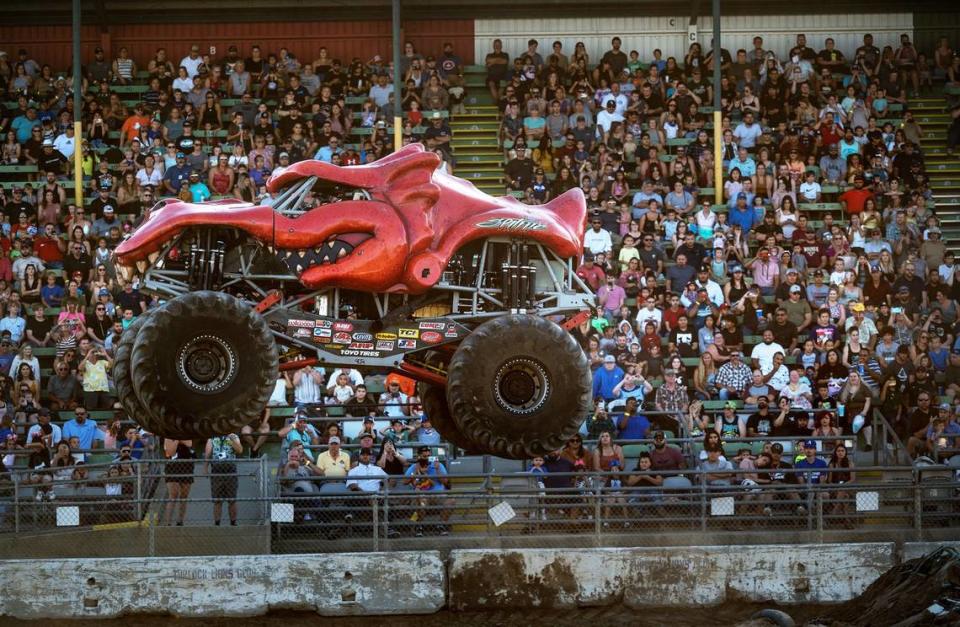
(519, 386)
(204, 364)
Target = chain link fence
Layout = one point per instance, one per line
(157, 507)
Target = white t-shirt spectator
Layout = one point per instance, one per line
(64, 144)
(809, 191)
(605, 120)
(597, 241)
(279, 396)
(645, 315)
(747, 135)
(764, 353)
(149, 178)
(620, 100)
(394, 407)
(193, 68)
(368, 477)
(183, 84)
(353, 376)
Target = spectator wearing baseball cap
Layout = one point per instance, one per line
(333, 462)
(813, 465)
(606, 378)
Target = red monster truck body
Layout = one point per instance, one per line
(391, 265)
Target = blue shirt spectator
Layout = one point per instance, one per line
(83, 429)
(179, 174)
(606, 378)
(811, 463)
(428, 474)
(634, 428)
(741, 214)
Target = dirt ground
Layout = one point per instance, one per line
(727, 614)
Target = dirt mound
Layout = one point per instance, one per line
(902, 596)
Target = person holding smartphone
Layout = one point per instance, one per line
(221, 454)
(93, 372)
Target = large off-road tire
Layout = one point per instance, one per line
(204, 364)
(434, 400)
(519, 386)
(123, 376)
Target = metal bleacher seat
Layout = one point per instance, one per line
(502, 466)
(466, 465)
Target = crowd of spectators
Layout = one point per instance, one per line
(231, 121)
(810, 313)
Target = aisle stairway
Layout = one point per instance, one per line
(479, 159)
(944, 171)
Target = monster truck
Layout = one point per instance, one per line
(392, 265)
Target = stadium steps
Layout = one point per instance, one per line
(475, 143)
(944, 171)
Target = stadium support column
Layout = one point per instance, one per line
(77, 109)
(717, 113)
(397, 79)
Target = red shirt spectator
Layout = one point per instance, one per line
(47, 249)
(591, 274)
(854, 199)
(131, 127)
(830, 134)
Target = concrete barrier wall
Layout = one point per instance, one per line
(331, 584)
(365, 584)
(668, 576)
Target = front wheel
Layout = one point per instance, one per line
(435, 406)
(519, 386)
(123, 377)
(204, 364)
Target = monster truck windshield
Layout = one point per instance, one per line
(312, 192)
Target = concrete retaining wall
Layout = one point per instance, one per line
(331, 584)
(668, 576)
(421, 583)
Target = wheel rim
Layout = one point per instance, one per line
(207, 364)
(521, 386)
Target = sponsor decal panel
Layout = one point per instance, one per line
(362, 337)
(385, 345)
(361, 346)
(324, 340)
(359, 353)
(326, 324)
(301, 324)
(431, 337)
(386, 336)
(301, 332)
(342, 338)
(343, 326)
(432, 326)
(409, 333)
(451, 331)
(406, 344)
(319, 332)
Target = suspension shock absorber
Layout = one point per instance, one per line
(216, 265)
(522, 289)
(505, 282)
(514, 278)
(193, 267)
